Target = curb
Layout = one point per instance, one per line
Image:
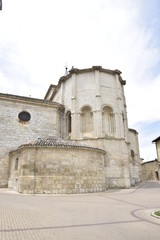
(153, 215)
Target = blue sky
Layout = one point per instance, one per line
(38, 38)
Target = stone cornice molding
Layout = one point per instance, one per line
(49, 89)
(30, 101)
(133, 130)
(151, 161)
(100, 138)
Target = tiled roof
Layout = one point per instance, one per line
(54, 142)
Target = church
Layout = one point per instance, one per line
(75, 140)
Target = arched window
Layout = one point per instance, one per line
(108, 121)
(86, 120)
(68, 122)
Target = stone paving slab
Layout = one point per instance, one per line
(116, 214)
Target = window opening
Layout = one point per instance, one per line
(16, 164)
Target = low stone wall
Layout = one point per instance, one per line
(57, 169)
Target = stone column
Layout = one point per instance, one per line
(62, 93)
(97, 111)
(73, 107)
(118, 115)
(125, 115)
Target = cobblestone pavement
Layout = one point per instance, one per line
(120, 214)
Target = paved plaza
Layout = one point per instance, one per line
(112, 215)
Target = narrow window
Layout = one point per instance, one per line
(16, 164)
(68, 123)
(124, 129)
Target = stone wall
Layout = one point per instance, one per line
(158, 149)
(116, 164)
(44, 122)
(134, 157)
(57, 169)
(150, 170)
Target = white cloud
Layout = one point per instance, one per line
(144, 101)
(5, 85)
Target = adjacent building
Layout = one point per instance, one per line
(150, 170)
(157, 143)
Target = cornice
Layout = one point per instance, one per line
(133, 130)
(155, 160)
(49, 89)
(31, 101)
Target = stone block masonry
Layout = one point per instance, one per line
(51, 166)
(14, 132)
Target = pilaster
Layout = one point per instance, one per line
(73, 108)
(97, 115)
(118, 115)
(62, 93)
